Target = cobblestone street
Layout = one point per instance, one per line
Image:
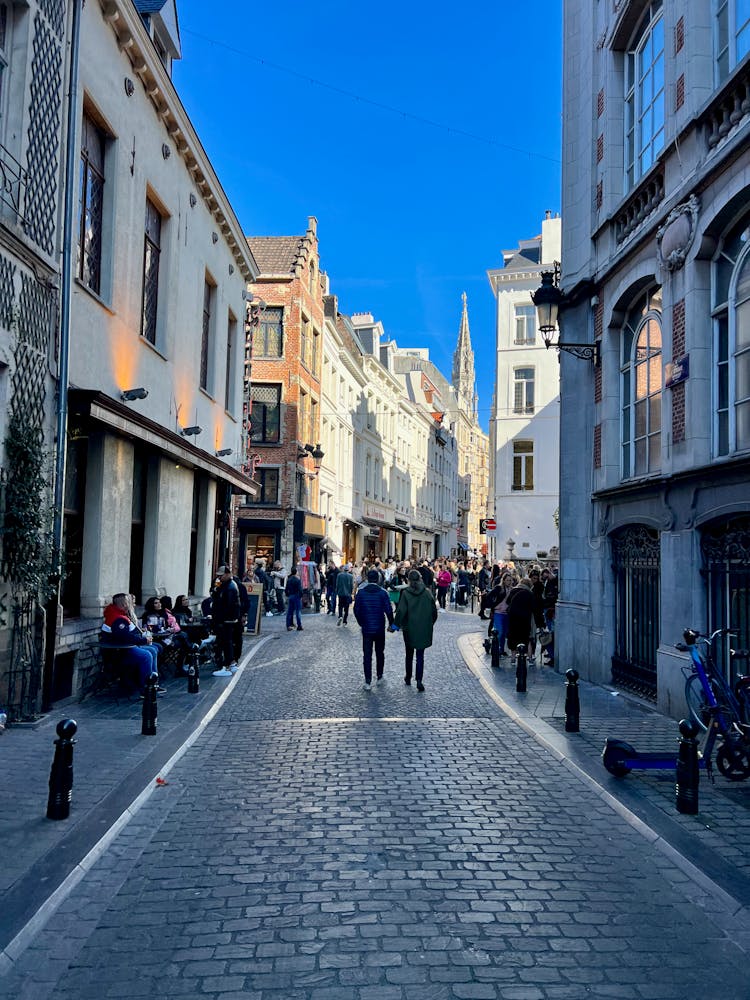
(322, 842)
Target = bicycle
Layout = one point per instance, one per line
(715, 707)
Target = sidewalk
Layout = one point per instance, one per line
(716, 840)
(112, 765)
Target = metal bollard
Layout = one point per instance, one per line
(495, 650)
(521, 669)
(148, 715)
(194, 674)
(61, 773)
(572, 702)
(686, 789)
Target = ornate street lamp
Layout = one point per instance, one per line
(548, 299)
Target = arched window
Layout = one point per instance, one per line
(644, 94)
(731, 314)
(641, 387)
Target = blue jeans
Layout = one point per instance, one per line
(500, 621)
(143, 658)
(293, 608)
(331, 600)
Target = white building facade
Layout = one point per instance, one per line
(155, 433)
(526, 414)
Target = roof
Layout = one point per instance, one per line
(277, 254)
(149, 6)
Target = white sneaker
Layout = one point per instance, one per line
(367, 687)
(222, 673)
(269, 614)
(379, 681)
(442, 610)
(232, 668)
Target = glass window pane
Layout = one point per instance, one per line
(626, 459)
(654, 452)
(742, 414)
(641, 466)
(723, 443)
(742, 376)
(722, 379)
(641, 371)
(640, 418)
(742, 330)
(654, 414)
(722, 337)
(654, 374)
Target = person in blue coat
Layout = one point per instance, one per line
(372, 607)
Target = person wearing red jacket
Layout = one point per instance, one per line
(119, 630)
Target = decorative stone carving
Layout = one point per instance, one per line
(675, 237)
(129, 86)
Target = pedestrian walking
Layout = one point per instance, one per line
(293, 591)
(520, 613)
(372, 607)
(344, 591)
(416, 615)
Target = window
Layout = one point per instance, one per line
(269, 487)
(732, 341)
(644, 94)
(304, 343)
(523, 390)
(523, 465)
(91, 206)
(314, 351)
(265, 414)
(311, 285)
(267, 335)
(209, 296)
(231, 374)
(731, 35)
(525, 324)
(641, 382)
(151, 259)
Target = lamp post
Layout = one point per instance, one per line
(548, 300)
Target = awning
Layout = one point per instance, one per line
(354, 524)
(373, 522)
(328, 543)
(461, 545)
(102, 408)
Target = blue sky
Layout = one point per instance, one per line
(425, 142)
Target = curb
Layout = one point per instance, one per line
(25, 936)
(553, 742)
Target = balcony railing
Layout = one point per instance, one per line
(12, 183)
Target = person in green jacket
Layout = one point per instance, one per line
(416, 614)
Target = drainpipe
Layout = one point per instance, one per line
(66, 278)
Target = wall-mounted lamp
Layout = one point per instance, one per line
(128, 395)
(223, 452)
(191, 431)
(315, 452)
(549, 299)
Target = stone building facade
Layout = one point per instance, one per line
(655, 504)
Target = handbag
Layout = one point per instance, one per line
(544, 637)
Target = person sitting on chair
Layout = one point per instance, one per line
(118, 630)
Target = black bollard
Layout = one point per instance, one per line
(495, 650)
(194, 674)
(148, 715)
(61, 773)
(686, 789)
(521, 669)
(572, 702)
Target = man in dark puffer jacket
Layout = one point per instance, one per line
(371, 608)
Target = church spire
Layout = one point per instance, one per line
(464, 378)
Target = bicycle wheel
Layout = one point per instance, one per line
(697, 704)
(733, 760)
